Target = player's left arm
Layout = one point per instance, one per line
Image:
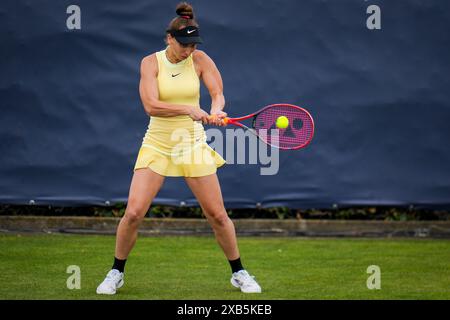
(213, 81)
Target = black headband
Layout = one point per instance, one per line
(186, 35)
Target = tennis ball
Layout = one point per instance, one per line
(282, 122)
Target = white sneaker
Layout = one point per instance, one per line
(245, 282)
(112, 282)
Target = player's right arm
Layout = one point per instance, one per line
(148, 90)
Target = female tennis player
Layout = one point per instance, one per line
(170, 93)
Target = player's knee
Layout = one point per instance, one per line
(219, 219)
(133, 216)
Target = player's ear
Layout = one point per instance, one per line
(169, 38)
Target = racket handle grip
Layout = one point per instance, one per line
(225, 120)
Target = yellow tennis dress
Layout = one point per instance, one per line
(176, 146)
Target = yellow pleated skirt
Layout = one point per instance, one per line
(176, 147)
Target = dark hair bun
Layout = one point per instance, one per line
(185, 9)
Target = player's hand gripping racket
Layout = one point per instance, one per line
(283, 126)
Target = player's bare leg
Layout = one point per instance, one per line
(144, 187)
(207, 191)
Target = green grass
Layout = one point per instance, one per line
(34, 267)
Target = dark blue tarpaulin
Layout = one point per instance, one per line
(71, 120)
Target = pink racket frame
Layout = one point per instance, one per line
(235, 121)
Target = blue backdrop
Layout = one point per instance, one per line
(71, 120)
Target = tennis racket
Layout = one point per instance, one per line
(298, 133)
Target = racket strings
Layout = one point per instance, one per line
(298, 132)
